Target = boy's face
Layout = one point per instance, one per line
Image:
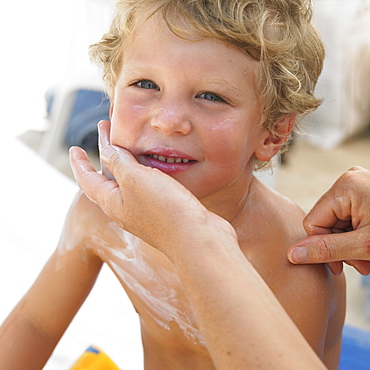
(188, 108)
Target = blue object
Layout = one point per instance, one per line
(93, 350)
(355, 349)
(366, 288)
(90, 107)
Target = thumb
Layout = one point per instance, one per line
(119, 155)
(330, 248)
(120, 163)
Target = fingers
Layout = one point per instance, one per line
(104, 140)
(332, 213)
(335, 267)
(363, 267)
(347, 247)
(344, 207)
(315, 249)
(120, 162)
(119, 157)
(104, 134)
(338, 226)
(80, 162)
(329, 248)
(97, 187)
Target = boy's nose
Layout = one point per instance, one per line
(171, 120)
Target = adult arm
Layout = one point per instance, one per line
(338, 226)
(243, 324)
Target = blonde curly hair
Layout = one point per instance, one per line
(278, 33)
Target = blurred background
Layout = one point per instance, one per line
(52, 97)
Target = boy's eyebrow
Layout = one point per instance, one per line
(133, 68)
(227, 86)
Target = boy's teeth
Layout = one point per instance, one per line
(169, 159)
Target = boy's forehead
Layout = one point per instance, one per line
(158, 25)
(155, 27)
(154, 39)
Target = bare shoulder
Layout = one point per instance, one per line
(282, 218)
(82, 209)
(312, 296)
(84, 224)
(88, 229)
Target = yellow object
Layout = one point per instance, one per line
(94, 359)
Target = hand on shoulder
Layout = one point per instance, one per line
(338, 226)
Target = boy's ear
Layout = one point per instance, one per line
(274, 141)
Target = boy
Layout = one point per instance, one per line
(204, 91)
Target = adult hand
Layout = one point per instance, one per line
(142, 200)
(338, 226)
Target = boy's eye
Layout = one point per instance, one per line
(147, 84)
(212, 97)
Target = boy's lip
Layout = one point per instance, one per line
(167, 160)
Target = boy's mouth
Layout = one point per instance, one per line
(169, 159)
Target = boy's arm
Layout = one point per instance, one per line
(32, 330)
(315, 301)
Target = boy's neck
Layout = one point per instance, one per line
(231, 205)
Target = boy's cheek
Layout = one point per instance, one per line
(226, 125)
(126, 130)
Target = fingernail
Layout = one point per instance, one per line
(299, 255)
(73, 152)
(107, 152)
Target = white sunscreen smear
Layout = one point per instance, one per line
(157, 288)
